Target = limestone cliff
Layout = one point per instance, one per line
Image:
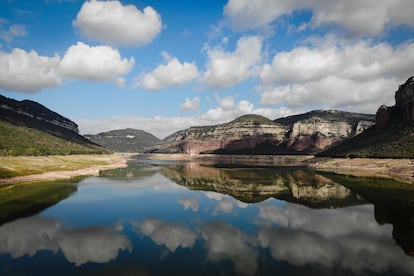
(403, 110)
(393, 134)
(255, 134)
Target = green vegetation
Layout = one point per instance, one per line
(19, 200)
(19, 140)
(326, 115)
(125, 140)
(376, 189)
(396, 141)
(252, 118)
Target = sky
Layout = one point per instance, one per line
(163, 66)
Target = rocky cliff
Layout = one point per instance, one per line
(124, 140)
(393, 134)
(255, 134)
(403, 110)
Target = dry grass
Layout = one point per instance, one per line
(27, 168)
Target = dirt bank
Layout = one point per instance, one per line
(31, 168)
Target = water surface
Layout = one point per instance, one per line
(194, 219)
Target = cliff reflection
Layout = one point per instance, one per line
(293, 184)
(393, 201)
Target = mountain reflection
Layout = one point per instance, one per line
(250, 185)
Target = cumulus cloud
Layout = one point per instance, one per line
(94, 63)
(189, 105)
(28, 72)
(359, 76)
(225, 69)
(357, 17)
(116, 24)
(173, 73)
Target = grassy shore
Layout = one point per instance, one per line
(38, 168)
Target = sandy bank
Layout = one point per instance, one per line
(59, 167)
(400, 169)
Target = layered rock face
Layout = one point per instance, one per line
(403, 110)
(245, 132)
(311, 131)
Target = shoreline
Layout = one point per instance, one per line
(399, 169)
(98, 163)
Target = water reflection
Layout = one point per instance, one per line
(79, 246)
(293, 184)
(190, 219)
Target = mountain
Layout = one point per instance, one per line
(124, 140)
(254, 134)
(391, 137)
(29, 128)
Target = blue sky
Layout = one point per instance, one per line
(163, 66)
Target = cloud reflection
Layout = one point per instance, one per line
(169, 235)
(189, 203)
(347, 239)
(226, 242)
(79, 246)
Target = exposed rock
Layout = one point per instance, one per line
(245, 132)
(249, 134)
(403, 109)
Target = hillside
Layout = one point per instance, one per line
(124, 140)
(20, 140)
(254, 134)
(29, 128)
(391, 137)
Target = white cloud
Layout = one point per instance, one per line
(163, 126)
(359, 76)
(188, 105)
(120, 82)
(368, 17)
(8, 32)
(173, 73)
(111, 22)
(226, 103)
(225, 69)
(94, 63)
(29, 72)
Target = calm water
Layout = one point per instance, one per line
(191, 219)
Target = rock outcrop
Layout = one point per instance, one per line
(255, 134)
(403, 110)
(393, 134)
(244, 132)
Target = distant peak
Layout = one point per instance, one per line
(252, 118)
